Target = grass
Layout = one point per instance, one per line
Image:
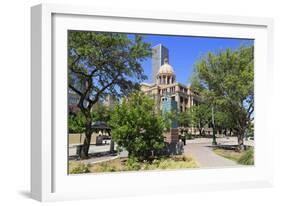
(176, 162)
(245, 157)
(125, 164)
(78, 167)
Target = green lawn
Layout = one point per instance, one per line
(244, 157)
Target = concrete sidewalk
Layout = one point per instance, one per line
(205, 157)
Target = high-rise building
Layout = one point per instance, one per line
(159, 53)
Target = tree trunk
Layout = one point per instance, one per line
(200, 132)
(240, 142)
(230, 132)
(111, 143)
(111, 146)
(87, 141)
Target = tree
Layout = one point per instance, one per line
(76, 122)
(226, 81)
(223, 120)
(170, 119)
(184, 118)
(101, 64)
(137, 127)
(101, 112)
(200, 116)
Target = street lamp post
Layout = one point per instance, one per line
(214, 131)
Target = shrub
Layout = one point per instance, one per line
(133, 164)
(150, 165)
(79, 168)
(136, 126)
(247, 158)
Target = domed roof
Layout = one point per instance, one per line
(166, 68)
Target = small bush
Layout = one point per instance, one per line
(79, 168)
(132, 164)
(247, 158)
(150, 166)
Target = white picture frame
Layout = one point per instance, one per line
(49, 179)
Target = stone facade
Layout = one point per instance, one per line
(166, 84)
(170, 95)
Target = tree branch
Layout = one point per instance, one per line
(75, 90)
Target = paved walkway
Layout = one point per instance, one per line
(205, 157)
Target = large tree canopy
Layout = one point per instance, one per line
(226, 81)
(101, 64)
(105, 63)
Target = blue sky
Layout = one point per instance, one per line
(185, 50)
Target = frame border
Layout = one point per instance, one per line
(42, 154)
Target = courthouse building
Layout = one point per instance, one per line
(166, 86)
(170, 95)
